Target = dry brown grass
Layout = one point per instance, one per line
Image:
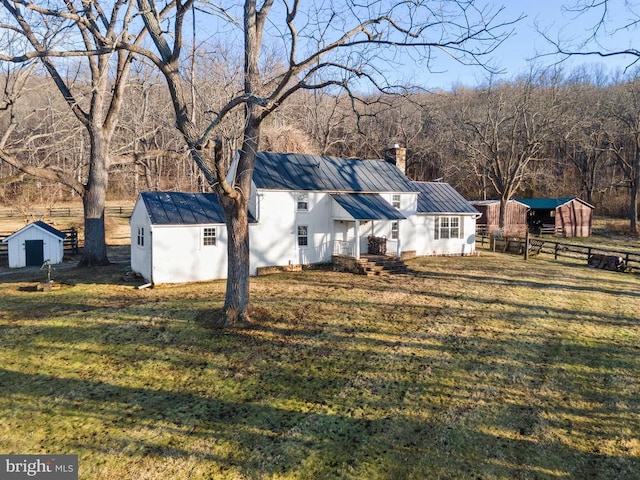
(478, 367)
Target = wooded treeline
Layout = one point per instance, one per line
(549, 134)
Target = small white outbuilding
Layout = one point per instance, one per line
(178, 237)
(35, 244)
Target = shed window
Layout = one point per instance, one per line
(395, 200)
(303, 235)
(448, 227)
(208, 236)
(141, 236)
(303, 202)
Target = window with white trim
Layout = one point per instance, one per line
(302, 204)
(141, 236)
(303, 235)
(209, 237)
(448, 227)
(394, 230)
(395, 200)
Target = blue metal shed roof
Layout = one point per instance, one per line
(437, 197)
(363, 206)
(548, 203)
(179, 208)
(50, 229)
(294, 171)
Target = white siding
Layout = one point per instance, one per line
(418, 234)
(175, 253)
(52, 248)
(274, 240)
(179, 255)
(140, 255)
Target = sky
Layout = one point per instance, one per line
(516, 54)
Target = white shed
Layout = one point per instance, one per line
(35, 244)
(178, 237)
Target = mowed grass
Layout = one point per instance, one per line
(484, 367)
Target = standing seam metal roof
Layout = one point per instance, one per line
(293, 171)
(179, 208)
(367, 206)
(436, 197)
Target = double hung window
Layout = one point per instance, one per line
(209, 236)
(448, 227)
(303, 235)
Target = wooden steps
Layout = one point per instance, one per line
(379, 265)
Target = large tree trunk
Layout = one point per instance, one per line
(94, 199)
(237, 308)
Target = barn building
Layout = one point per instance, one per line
(565, 217)
(489, 221)
(35, 244)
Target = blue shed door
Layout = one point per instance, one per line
(35, 252)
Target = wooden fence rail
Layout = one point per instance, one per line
(113, 211)
(536, 245)
(71, 242)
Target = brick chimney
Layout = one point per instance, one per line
(397, 155)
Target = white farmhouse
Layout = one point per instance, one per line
(305, 209)
(35, 244)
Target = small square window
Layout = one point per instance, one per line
(395, 200)
(208, 236)
(141, 236)
(303, 201)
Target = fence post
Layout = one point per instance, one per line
(526, 245)
(555, 251)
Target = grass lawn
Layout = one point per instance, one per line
(484, 367)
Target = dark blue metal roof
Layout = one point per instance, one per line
(437, 197)
(363, 206)
(50, 229)
(294, 171)
(179, 208)
(45, 226)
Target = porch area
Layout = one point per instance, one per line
(369, 245)
(375, 256)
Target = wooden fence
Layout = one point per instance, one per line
(75, 211)
(516, 245)
(71, 243)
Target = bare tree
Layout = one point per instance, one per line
(604, 27)
(346, 46)
(603, 32)
(506, 130)
(624, 141)
(55, 35)
(582, 137)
